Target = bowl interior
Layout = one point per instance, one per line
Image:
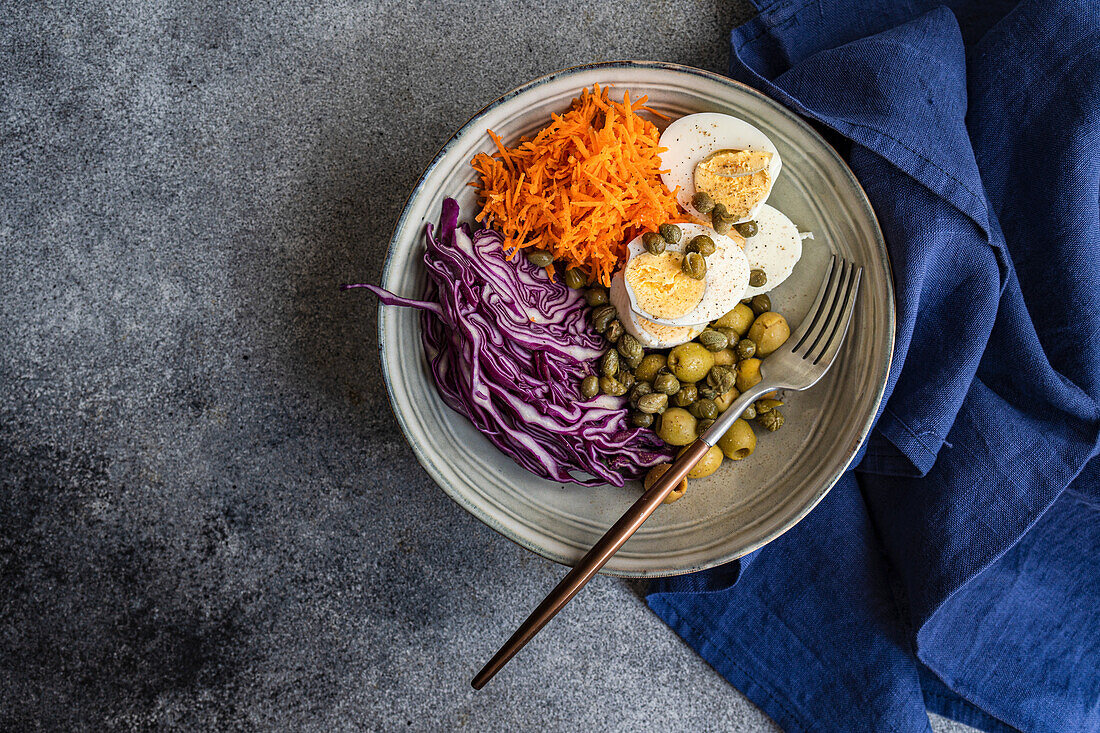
(745, 504)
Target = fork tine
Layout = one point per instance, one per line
(844, 317)
(817, 317)
(830, 311)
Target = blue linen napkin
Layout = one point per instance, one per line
(958, 567)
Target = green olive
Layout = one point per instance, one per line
(653, 404)
(702, 202)
(688, 393)
(694, 266)
(666, 384)
(748, 373)
(771, 420)
(677, 426)
(590, 386)
(575, 279)
(655, 473)
(769, 331)
(640, 419)
(540, 258)
(630, 349)
(603, 316)
(702, 244)
(612, 386)
(670, 233)
(746, 348)
(651, 364)
(747, 229)
(725, 357)
(713, 340)
(724, 400)
(654, 243)
(690, 362)
(739, 441)
(739, 319)
(595, 296)
(704, 409)
(708, 464)
(761, 303)
(758, 278)
(721, 378)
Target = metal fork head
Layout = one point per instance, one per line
(811, 350)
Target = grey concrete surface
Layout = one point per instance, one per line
(208, 517)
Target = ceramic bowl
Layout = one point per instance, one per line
(743, 505)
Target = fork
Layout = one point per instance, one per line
(798, 364)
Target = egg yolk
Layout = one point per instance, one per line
(660, 287)
(722, 174)
(667, 334)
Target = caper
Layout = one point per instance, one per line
(615, 331)
(654, 403)
(763, 407)
(703, 426)
(540, 258)
(651, 364)
(730, 334)
(609, 363)
(704, 409)
(721, 378)
(713, 340)
(670, 233)
(760, 303)
(630, 349)
(720, 212)
(746, 349)
(771, 420)
(722, 226)
(595, 296)
(694, 266)
(702, 202)
(640, 419)
(635, 360)
(702, 244)
(602, 317)
(666, 384)
(654, 243)
(625, 378)
(747, 229)
(641, 389)
(758, 278)
(575, 279)
(612, 386)
(708, 392)
(749, 413)
(590, 386)
(688, 393)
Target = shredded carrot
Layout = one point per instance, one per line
(582, 187)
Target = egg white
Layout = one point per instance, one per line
(694, 137)
(775, 249)
(726, 280)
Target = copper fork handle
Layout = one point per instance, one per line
(593, 560)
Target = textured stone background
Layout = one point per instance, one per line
(208, 517)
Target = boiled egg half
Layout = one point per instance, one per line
(723, 156)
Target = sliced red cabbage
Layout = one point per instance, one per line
(508, 347)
